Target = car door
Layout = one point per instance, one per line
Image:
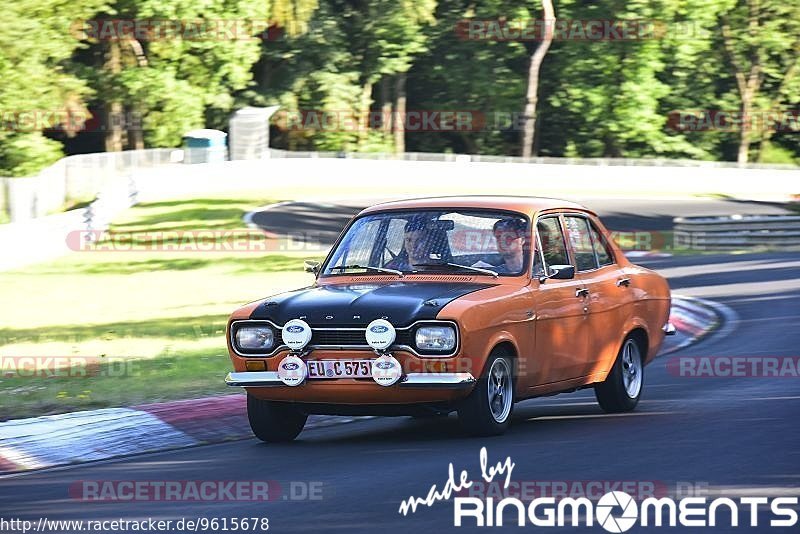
(562, 328)
(607, 290)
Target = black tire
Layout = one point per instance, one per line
(274, 422)
(474, 412)
(615, 394)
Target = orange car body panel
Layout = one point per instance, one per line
(560, 342)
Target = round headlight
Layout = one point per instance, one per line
(255, 338)
(435, 338)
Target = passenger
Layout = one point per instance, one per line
(510, 235)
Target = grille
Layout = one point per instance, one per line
(336, 337)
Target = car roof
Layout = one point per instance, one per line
(510, 203)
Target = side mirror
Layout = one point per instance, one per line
(311, 266)
(559, 272)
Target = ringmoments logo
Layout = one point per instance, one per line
(615, 511)
(618, 511)
(605, 511)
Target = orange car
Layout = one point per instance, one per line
(470, 304)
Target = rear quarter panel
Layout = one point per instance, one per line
(651, 298)
(651, 306)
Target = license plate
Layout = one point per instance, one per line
(339, 368)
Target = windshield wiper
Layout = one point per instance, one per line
(459, 266)
(368, 268)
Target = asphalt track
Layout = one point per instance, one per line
(729, 436)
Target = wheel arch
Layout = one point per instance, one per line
(639, 334)
(509, 348)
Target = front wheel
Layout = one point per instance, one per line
(487, 410)
(274, 422)
(622, 388)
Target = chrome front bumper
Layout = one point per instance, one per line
(418, 380)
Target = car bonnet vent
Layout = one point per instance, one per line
(418, 278)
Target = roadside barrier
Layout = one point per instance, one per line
(737, 232)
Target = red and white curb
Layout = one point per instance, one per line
(692, 316)
(85, 436)
(694, 319)
(72, 438)
(57, 440)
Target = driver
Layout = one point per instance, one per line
(415, 247)
(510, 236)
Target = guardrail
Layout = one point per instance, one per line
(479, 158)
(76, 178)
(114, 181)
(737, 232)
(82, 177)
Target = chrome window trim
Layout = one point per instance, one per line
(561, 227)
(527, 267)
(585, 218)
(407, 348)
(588, 219)
(593, 229)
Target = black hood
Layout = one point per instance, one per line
(354, 305)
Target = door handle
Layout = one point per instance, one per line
(624, 282)
(583, 292)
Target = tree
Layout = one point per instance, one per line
(472, 74)
(350, 48)
(175, 77)
(612, 97)
(531, 97)
(385, 36)
(292, 15)
(39, 90)
(762, 44)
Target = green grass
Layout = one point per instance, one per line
(163, 311)
(186, 374)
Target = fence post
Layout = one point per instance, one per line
(88, 221)
(4, 199)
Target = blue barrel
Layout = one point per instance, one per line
(205, 146)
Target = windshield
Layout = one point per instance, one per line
(453, 240)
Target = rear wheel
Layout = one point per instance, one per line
(274, 422)
(487, 410)
(622, 388)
